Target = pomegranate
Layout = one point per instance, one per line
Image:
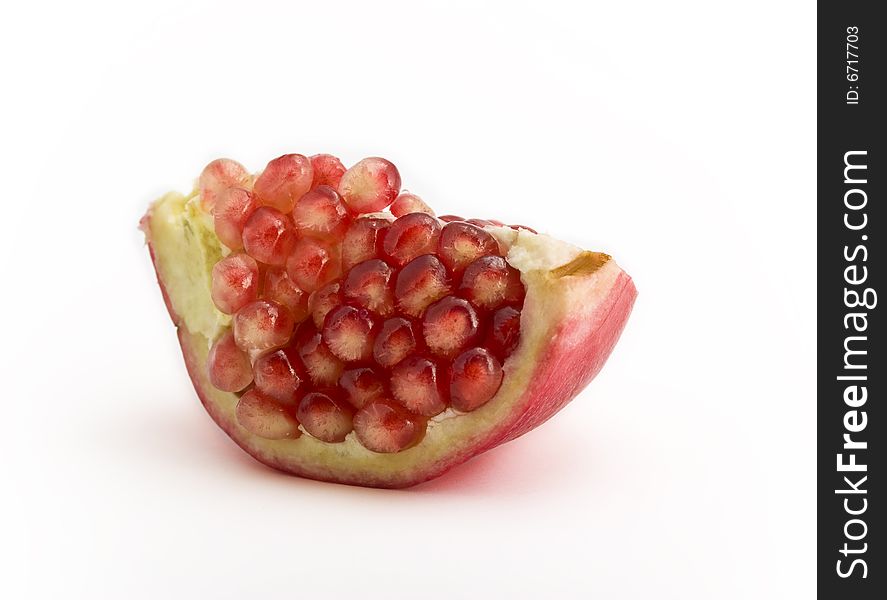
(334, 341)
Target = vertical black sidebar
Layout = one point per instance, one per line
(851, 362)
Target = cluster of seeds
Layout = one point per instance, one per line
(350, 319)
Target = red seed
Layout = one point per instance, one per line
(410, 236)
(313, 264)
(407, 203)
(395, 342)
(462, 243)
(278, 287)
(421, 282)
(348, 333)
(328, 170)
(480, 222)
(417, 384)
(235, 282)
(362, 385)
(262, 416)
(280, 375)
(323, 367)
(450, 218)
(523, 227)
(233, 207)
(475, 378)
(269, 236)
(382, 426)
(218, 176)
(369, 285)
(489, 282)
(284, 180)
(326, 418)
(504, 333)
(363, 240)
(322, 213)
(262, 325)
(449, 325)
(323, 301)
(370, 185)
(228, 366)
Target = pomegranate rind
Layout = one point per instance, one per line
(576, 306)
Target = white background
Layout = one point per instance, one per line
(680, 137)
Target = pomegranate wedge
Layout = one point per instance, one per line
(368, 348)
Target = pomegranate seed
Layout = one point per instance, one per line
(407, 203)
(416, 383)
(462, 243)
(322, 213)
(410, 236)
(218, 176)
(235, 282)
(363, 240)
(323, 367)
(262, 416)
(450, 218)
(348, 333)
(262, 325)
(279, 287)
(268, 236)
(382, 426)
(449, 325)
(422, 281)
(480, 222)
(475, 378)
(370, 185)
(325, 418)
(279, 375)
(362, 385)
(523, 227)
(313, 264)
(328, 170)
(504, 333)
(323, 301)
(395, 342)
(233, 208)
(490, 282)
(369, 285)
(228, 366)
(285, 180)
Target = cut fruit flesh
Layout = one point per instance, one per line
(573, 310)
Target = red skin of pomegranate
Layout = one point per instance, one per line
(563, 346)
